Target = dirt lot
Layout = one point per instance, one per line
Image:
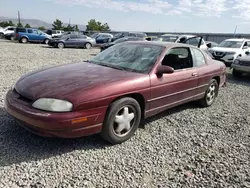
(186, 146)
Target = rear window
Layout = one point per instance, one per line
(23, 30)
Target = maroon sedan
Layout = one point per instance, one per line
(113, 92)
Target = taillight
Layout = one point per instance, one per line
(17, 35)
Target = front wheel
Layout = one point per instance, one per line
(46, 41)
(88, 45)
(121, 121)
(236, 73)
(211, 93)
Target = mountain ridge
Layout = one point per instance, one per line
(37, 22)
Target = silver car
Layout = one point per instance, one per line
(73, 40)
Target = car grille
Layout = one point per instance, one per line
(244, 63)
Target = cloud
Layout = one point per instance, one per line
(203, 8)
(242, 7)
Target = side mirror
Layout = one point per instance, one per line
(163, 69)
(247, 52)
(209, 45)
(67, 38)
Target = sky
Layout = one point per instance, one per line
(217, 16)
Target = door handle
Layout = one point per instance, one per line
(195, 74)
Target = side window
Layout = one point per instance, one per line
(35, 31)
(11, 29)
(73, 36)
(30, 31)
(178, 58)
(132, 34)
(198, 57)
(193, 41)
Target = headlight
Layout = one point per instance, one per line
(236, 61)
(53, 105)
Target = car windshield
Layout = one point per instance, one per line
(169, 38)
(230, 44)
(65, 36)
(94, 35)
(117, 35)
(132, 57)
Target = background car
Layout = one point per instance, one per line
(153, 38)
(241, 65)
(183, 39)
(7, 31)
(24, 35)
(101, 38)
(73, 40)
(124, 39)
(230, 49)
(127, 34)
(211, 43)
(57, 33)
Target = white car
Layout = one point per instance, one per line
(7, 30)
(230, 49)
(56, 33)
(193, 40)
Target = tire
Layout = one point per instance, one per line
(236, 73)
(87, 45)
(46, 41)
(121, 110)
(1, 35)
(60, 45)
(210, 94)
(24, 40)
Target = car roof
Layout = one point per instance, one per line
(160, 43)
(169, 34)
(236, 39)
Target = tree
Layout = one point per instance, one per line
(94, 25)
(5, 23)
(57, 25)
(76, 28)
(68, 28)
(27, 26)
(42, 28)
(20, 25)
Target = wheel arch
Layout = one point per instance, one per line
(217, 78)
(138, 97)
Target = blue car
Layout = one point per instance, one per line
(24, 35)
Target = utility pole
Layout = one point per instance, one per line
(235, 29)
(19, 18)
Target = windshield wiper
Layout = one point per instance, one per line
(110, 66)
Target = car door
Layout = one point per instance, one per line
(31, 35)
(204, 74)
(81, 40)
(36, 35)
(173, 89)
(71, 41)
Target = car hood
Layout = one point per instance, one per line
(222, 49)
(67, 81)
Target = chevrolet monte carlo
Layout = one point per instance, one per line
(115, 90)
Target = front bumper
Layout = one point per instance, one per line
(66, 125)
(241, 68)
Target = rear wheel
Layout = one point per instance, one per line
(24, 40)
(46, 41)
(236, 73)
(60, 45)
(121, 121)
(211, 94)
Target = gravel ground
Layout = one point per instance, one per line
(187, 146)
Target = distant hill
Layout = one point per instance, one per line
(37, 23)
